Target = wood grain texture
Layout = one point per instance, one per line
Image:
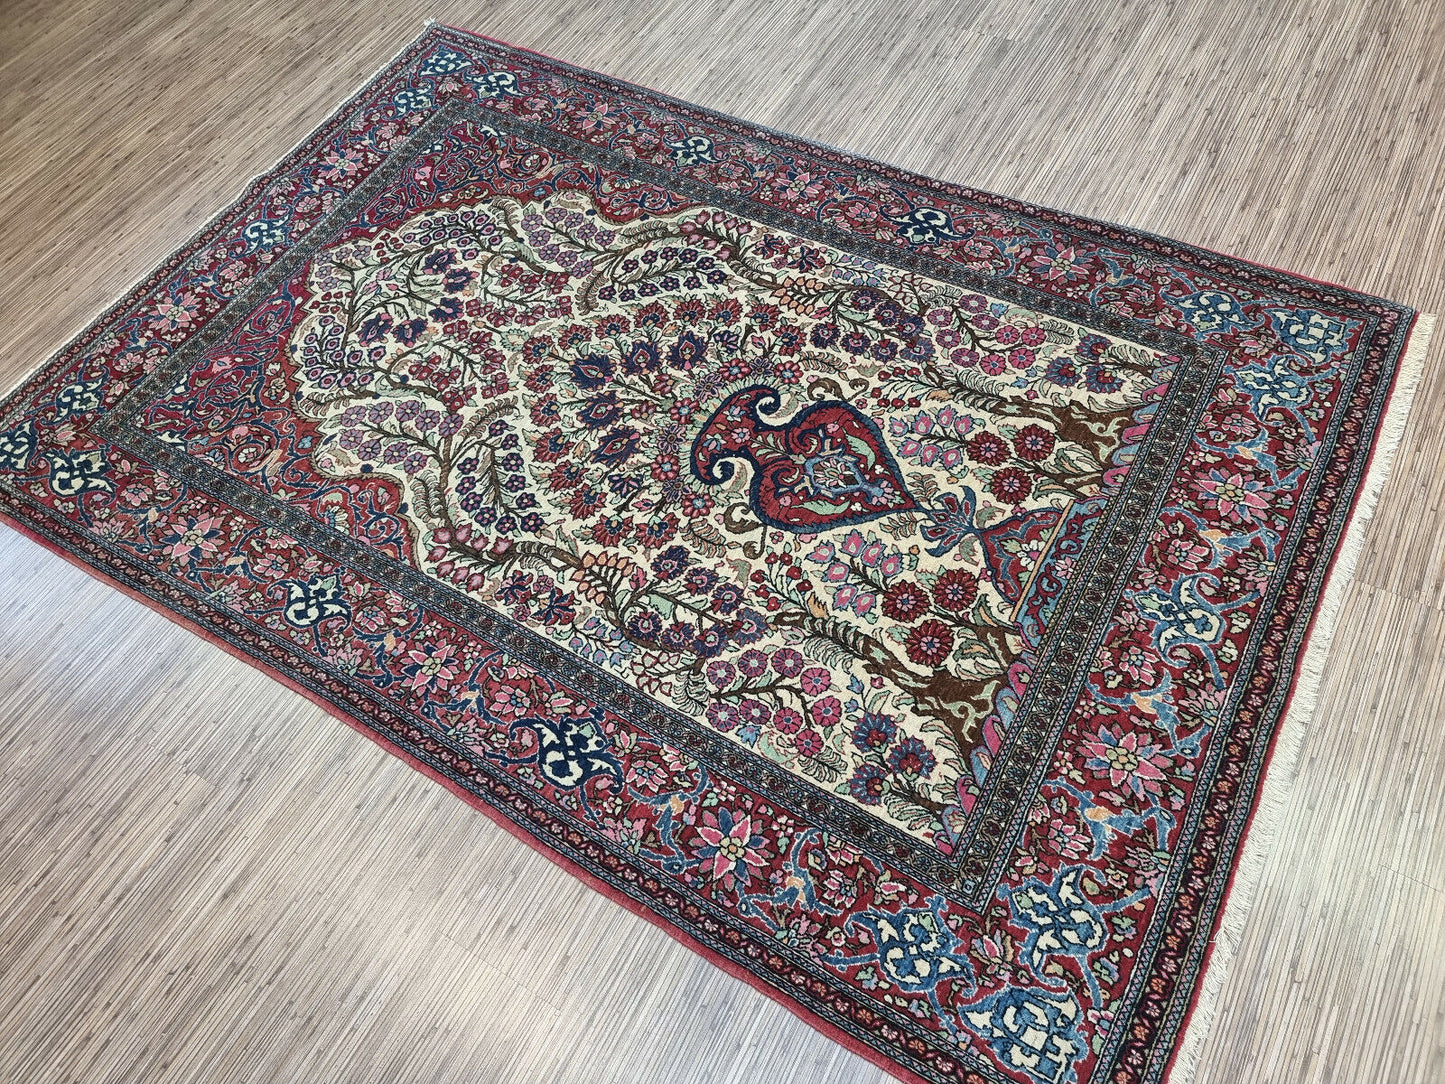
(204, 878)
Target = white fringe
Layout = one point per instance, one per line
(1279, 777)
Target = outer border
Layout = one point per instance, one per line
(1271, 798)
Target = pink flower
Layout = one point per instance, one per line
(815, 680)
(176, 313)
(191, 538)
(431, 665)
(1127, 759)
(1237, 497)
(510, 693)
(338, 165)
(732, 850)
(1058, 263)
(1065, 838)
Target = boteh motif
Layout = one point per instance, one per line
(894, 587)
(798, 496)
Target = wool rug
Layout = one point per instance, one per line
(892, 590)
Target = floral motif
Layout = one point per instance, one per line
(666, 445)
(470, 379)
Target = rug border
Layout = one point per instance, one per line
(955, 189)
(1271, 801)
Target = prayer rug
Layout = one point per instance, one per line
(892, 590)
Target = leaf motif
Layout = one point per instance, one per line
(923, 484)
(826, 652)
(429, 499)
(827, 767)
(900, 526)
(647, 231)
(707, 538)
(587, 301)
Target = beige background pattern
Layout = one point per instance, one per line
(204, 878)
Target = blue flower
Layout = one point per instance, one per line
(874, 730)
(1032, 1028)
(1311, 333)
(617, 447)
(670, 563)
(599, 411)
(1101, 379)
(494, 84)
(911, 757)
(444, 60)
(868, 784)
(726, 598)
(17, 446)
(1062, 370)
(412, 99)
(750, 626)
(591, 371)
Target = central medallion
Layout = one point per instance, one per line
(825, 467)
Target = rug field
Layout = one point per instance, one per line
(894, 591)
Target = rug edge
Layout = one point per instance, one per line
(1271, 806)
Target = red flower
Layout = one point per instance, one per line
(808, 743)
(696, 504)
(955, 590)
(1033, 443)
(988, 449)
(1176, 547)
(904, 601)
(585, 502)
(930, 643)
(1011, 485)
(610, 530)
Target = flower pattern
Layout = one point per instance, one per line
(672, 443)
(493, 310)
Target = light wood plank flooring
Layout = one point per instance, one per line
(205, 879)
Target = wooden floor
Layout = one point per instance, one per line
(203, 878)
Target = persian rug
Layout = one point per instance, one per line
(892, 590)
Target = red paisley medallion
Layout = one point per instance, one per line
(825, 467)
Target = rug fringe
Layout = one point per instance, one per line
(1273, 803)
